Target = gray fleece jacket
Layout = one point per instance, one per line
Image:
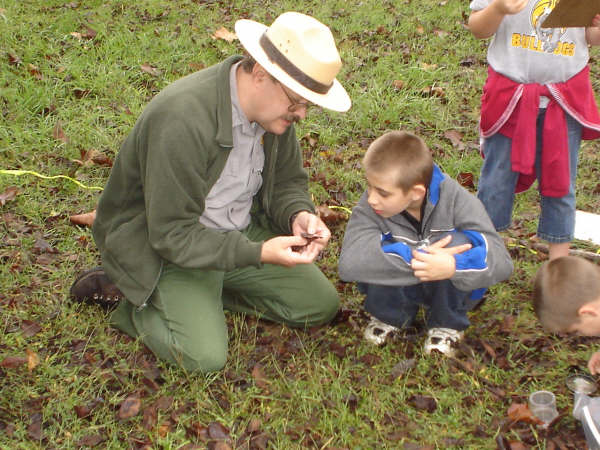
(376, 250)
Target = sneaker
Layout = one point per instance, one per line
(442, 340)
(93, 286)
(377, 331)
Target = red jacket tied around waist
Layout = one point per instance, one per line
(511, 108)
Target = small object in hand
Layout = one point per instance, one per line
(309, 237)
(581, 384)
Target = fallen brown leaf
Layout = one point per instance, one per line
(91, 440)
(89, 33)
(34, 71)
(9, 194)
(196, 66)
(465, 179)
(150, 418)
(94, 156)
(402, 367)
(259, 377)
(30, 328)
(225, 34)
(253, 426)
(14, 60)
(34, 430)
(329, 216)
(130, 407)
(59, 134)
(11, 362)
(423, 402)
(42, 246)
(150, 70)
(398, 84)
(32, 359)
(455, 137)
(519, 412)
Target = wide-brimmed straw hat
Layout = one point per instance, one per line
(299, 51)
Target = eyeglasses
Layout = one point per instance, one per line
(294, 104)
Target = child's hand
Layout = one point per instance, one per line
(510, 6)
(485, 22)
(594, 363)
(437, 262)
(592, 34)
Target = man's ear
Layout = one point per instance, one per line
(259, 73)
(418, 192)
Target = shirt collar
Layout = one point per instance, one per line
(238, 118)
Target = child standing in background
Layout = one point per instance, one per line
(537, 105)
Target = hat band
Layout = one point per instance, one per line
(280, 59)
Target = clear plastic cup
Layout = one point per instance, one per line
(542, 405)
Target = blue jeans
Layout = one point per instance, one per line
(446, 306)
(497, 185)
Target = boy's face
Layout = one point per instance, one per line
(589, 320)
(386, 198)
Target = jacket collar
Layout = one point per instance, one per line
(224, 136)
(434, 187)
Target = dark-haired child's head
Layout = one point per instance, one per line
(566, 296)
(398, 167)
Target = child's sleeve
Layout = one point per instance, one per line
(487, 262)
(477, 5)
(362, 257)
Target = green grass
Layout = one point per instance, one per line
(319, 388)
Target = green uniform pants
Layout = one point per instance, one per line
(184, 322)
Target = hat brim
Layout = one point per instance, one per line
(249, 33)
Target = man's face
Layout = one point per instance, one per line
(385, 197)
(278, 107)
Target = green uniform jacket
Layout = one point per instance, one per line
(149, 210)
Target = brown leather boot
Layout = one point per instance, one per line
(93, 286)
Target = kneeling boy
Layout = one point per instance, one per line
(566, 299)
(417, 238)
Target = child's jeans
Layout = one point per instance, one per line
(446, 306)
(497, 185)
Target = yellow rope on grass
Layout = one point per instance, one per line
(342, 208)
(46, 177)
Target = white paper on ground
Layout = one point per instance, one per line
(587, 226)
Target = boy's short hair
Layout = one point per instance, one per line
(403, 152)
(562, 286)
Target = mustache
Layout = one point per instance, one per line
(292, 118)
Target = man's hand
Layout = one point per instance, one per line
(594, 363)
(311, 225)
(278, 250)
(437, 262)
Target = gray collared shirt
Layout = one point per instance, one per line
(227, 205)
